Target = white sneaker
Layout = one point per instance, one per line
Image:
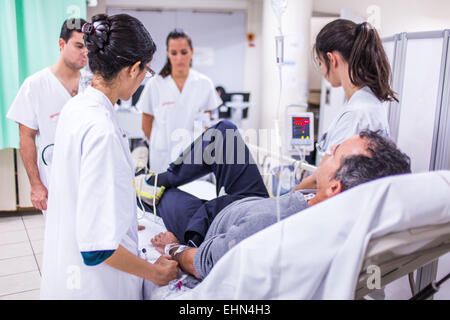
(140, 157)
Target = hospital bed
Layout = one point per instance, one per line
(325, 251)
(397, 253)
(268, 160)
(400, 254)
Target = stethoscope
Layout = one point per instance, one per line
(43, 152)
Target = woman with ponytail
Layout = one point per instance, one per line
(352, 56)
(91, 240)
(175, 99)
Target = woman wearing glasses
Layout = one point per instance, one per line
(175, 99)
(91, 241)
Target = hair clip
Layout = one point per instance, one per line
(87, 28)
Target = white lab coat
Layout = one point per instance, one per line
(91, 205)
(362, 112)
(37, 106)
(174, 114)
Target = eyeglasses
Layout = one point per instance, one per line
(149, 73)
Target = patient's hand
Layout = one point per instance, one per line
(166, 270)
(162, 239)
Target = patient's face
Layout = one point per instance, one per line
(328, 167)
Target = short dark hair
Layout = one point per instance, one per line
(115, 42)
(69, 26)
(385, 160)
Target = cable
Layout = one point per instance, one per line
(301, 154)
(430, 290)
(279, 7)
(280, 147)
(155, 189)
(140, 201)
(443, 280)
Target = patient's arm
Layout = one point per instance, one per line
(185, 260)
(310, 182)
(307, 183)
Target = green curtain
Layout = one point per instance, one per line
(28, 43)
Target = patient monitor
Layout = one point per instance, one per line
(300, 135)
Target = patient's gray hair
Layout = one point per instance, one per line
(385, 160)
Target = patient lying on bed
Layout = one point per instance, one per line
(212, 228)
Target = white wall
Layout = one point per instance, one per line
(314, 76)
(252, 65)
(296, 29)
(252, 55)
(396, 15)
(180, 4)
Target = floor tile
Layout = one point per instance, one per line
(27, 295)
(13, 237)
(36, 233)
(33, 221)
(11, 224)
(19, 283)
(17, 265)
(38, 246)
(15, 250)
(39, 261)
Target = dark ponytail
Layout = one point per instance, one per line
(361, 47)
(175, 34)
(116, 42)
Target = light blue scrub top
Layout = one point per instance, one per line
(362, 112)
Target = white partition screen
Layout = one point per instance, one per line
(419, 100)
(389, 48)
(442, 155)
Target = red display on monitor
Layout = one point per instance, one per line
(301, 121)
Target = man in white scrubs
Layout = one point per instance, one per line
(39, 101)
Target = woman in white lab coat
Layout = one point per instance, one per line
(91, 241)
(352, 56)
(174, 103)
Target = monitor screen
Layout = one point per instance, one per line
(227, 97)
(301, 128)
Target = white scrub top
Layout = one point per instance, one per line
(91, 205)
(364, 111)
(174, 110)
(37, 106)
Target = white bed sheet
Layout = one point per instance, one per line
(154, 225)
(318, 253)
